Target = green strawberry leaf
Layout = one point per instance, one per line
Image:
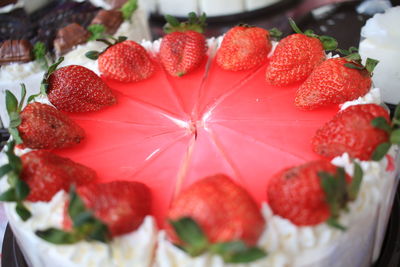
(23, 95)
(353, 65)
(381, 123)
(194, 23)
(275, 33)
(15, 134)
(96, 31)
(195, 241)
(99, 232)
(4, 170)
(21, 189)
(11, 102)
(370, 64)
(329, 43)
(9, 195)
(237, 252)
(172, 21)
(59, 237)
(23, 211)
(129, 8)
(355, 184)
(396, 116)
(39, 53)
(294, 26)
(395, 137)
(380, 151)
(94, 55)
(335, 224)
(13, 159)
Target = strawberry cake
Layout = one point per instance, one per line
(228, 154)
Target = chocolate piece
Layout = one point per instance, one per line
(68, 37)
(15, 51)
(7, 2)
(116, 3)
(111, 19)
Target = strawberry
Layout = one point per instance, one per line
(335, 81)
(46, 174)
(312, 193)
(44, 127)
(41, 126)
(243, 48)
(351, 131)
(296, 56)
(121, 205)
(184, 47)
(124, 61)
(220, 209)
(101, 211)
(75, 88)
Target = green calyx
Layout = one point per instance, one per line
(110, 41)
(354, 60)
(339, 193)
(328, 43)
(195, 243)
(39, 52)
(194, 23)
(85, 225)
(96, 31)
(129, 8)
(19, 189)
(392, 129)
(275, 33)
(45, 84)
(14, 109)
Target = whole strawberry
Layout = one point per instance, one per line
(296, 56)
(101, 212)
(75, 88)
(46, 174)
(121, 205)
(351, 131)
(41, 126)
(243, 48)
(184, 47)
(221, 210)
(44, 127)
(334, 81)
(312, 193)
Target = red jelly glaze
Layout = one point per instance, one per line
(169, 132)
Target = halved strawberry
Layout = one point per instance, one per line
(351, 131)
(312, 193)
(296, 56)
(41, 126)
(102, 211)
(335, 81)
(214, 214)
(184, 47)
(244, 47)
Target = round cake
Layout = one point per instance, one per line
(173, 132)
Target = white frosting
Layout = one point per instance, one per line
(381, 38)
(132, 249)
(293, 246)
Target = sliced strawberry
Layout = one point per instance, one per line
(75, 88)
(184, 47)
(335, 81)
(351, 131)
(312, 193)
(220, 212)
(46, 174)
(296, 56)
(244, 47)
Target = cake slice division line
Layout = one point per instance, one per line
(237, 86)
(261, 142)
